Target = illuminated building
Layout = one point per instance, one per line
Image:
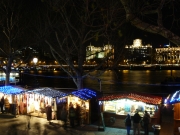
(93, 52)
(138, 53)
(168, 55)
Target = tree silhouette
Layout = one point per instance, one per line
(13, 34)
(71, 26)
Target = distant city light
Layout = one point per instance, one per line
(166, 45)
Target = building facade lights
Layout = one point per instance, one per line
(168, 54)
(93, 52)
(138, 53)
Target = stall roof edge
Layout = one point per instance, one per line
(151, 99)
(173, 98)
(11, 89)
(85, 93)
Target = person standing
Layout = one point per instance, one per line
(7, 105)
(72, 114)
(136, 122)
(64, 115)
(49, 113)
(146, 121)
(78, 117)
(128, 124)
(2, 104)
(28, 117)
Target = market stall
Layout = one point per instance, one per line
(12, 96)
(174, 100)
(82, 98)
(48, 102)
(42, 102)
(118, 106)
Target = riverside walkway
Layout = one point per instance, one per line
(25, 125)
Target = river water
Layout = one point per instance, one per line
(144, 81)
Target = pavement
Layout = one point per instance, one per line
(26, 125)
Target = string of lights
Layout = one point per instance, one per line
(48, 92)
(84, 94)
(173, 98)
(10, 90)
(134, 96)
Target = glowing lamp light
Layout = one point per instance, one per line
(35, 60)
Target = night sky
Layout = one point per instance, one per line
(149, 38)
(129, 33)
(133, 33)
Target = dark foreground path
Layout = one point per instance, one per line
(40, 126)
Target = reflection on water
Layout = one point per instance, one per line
(111, 82)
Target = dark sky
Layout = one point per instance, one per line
(148, 38)
(154, 39)
(132, 33)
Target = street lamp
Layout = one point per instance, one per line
(35, 60)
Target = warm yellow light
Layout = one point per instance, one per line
(35, 60)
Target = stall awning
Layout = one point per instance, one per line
(11, 90)
(149, 99)
(49, 92)
(173, 98)
(85, 94)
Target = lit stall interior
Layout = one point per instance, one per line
(128, 103)
(82, 98)
(13, 96)
(118, 106)
(39, 100)
(128, 106)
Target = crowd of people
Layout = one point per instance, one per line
(138, 123)
(4, 104)
(73, 114)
